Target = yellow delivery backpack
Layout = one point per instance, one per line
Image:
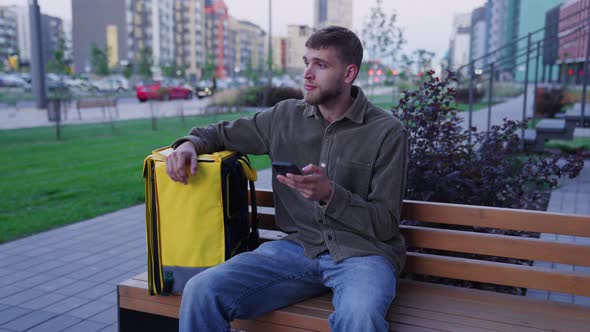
(199, 225)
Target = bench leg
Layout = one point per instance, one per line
(135, 321)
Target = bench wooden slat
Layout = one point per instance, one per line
(521, 220)
(247, 325)
(515, 310)
(497, 245)
(264, 198)
(416, 307)
(499, 273)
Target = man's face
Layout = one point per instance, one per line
(324, 75)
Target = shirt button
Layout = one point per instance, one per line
(329, 237)
(323, 165)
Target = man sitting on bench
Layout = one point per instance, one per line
(341, 214)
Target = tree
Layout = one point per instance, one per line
(209, 68)
(99, 60)
(128, 70)
(382, 38)
(57, 64)
(145, 62)
(423, 60)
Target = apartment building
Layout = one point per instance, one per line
(297, 35)
(8, 34)
(332, 12)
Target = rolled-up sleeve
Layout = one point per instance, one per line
(245, 135)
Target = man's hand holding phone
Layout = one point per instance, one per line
(311, 183)
(177, 161)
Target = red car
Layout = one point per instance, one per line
(162, 90)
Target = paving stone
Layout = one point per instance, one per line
(42, 301)
(108, 316)
(12, 313)
(76, 287)
(69, 303)
(21, 297)
(13, 260)
(44, 267)
(29, 320)
(89, 309)
(35, 280)
(86, 326)
(75, 256)
(110, 328)
(56, 284)
(65, 270)
(104, 275)
(84, 272)
(57, 323)
(110, 298)
(15, 277)
(9, 290)
(27, 262)
(97, 291)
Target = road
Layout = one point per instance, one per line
(27, 116)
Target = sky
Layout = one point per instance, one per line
(426, 23)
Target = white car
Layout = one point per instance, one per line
(111, 84)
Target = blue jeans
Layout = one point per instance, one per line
(277, 274)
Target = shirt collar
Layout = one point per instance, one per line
(356, 112)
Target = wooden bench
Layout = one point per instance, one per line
(105, 104)
(423, 306)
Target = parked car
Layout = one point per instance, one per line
(14, 81)
(163, 90)
(204, 89)
(111, 84)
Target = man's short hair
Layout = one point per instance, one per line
(343, 40)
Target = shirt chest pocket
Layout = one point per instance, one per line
(353, 175)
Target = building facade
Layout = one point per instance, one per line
(52, 36)
(8, 34)
(249, 43)
(502, 30)
(573, 32)
(92, 21)
(459, 47)
(279, 54)
(218, 49)
(478, 38)
(189, 26)
(531, 18)
(332, 12)
(297, 35)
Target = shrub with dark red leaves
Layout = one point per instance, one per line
(488, 168)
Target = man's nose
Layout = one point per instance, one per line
(308, 73)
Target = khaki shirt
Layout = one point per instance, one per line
(364, 154)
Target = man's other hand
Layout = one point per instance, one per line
(177, 161)
(313, 185)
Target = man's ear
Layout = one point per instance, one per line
(350, 73)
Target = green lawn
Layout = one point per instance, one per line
(91, 171)
(578, 143)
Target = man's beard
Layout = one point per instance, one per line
(323, 97)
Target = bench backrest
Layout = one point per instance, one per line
(92, 103)
(447, 243)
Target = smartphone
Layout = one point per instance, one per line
(284, 167)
